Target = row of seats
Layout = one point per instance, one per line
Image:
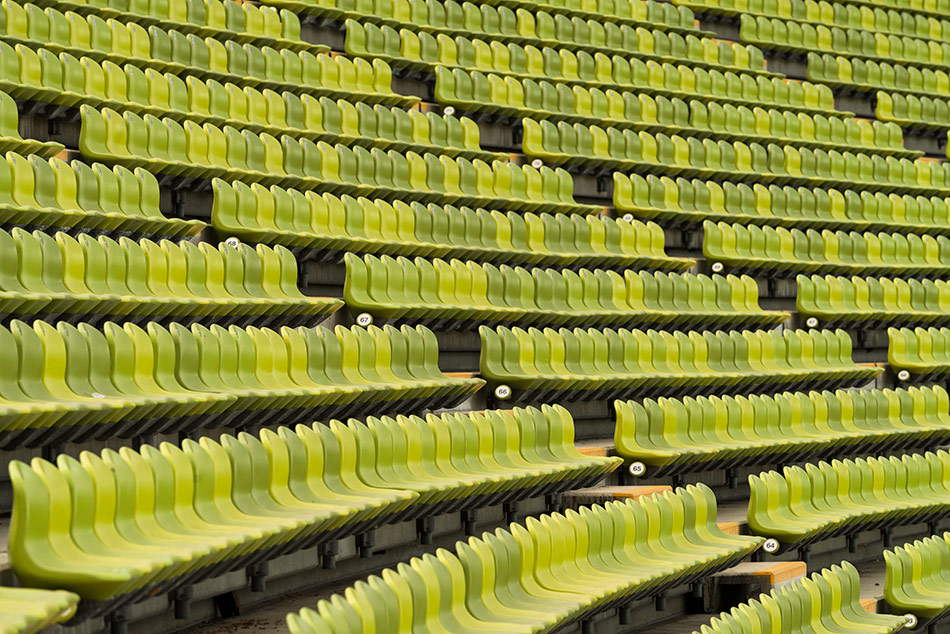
(921, 353)
(676, 436)
(221, 505)
(537, 365)
(128, 88)
(220, 19)
(912, 110)
(456, 292)
(882, 19)
(915, 578)
(450, 14)
(192, 151)
(852, 43)
(683, 201)
(803, 505)
(407, 47)
(39, 74)
(81, 197)
(92, 280)
(65, 383)
(779, 250)
(28, 610)
(828, 601)
(869, 76)
(490, 92)
(595, 148)
(554, 571)
(560, 104)
(870, 302)
(331, 224)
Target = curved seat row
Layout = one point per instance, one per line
(10, 139)
(492, 17)
(28, 610)
(89, 279)
(912, 111)
(684, 201)
(457, 292)
(800, 506)
(221, 505)
(63, 383)
(873, 302)
(329, 224)
(921, 353)
(780, 250)
(598, 149)
(697, 434)
(407, 47)
(220, 19)
(828, 601)
(917, 576)
(129, 88)
(869, 76)
(554, 571)
(194, 151)
(80, 197)
(561, 104)
(593, 364)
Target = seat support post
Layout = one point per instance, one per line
(328, 552)
(119, 621)
(469, 518)
(366, 542)
(512, 512)
(424, 528)
(181, 599)
(257, 573)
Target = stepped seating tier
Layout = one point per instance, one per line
(227, 504)
(677, 436)
(915, 579)
(554, 571)
(456, 293)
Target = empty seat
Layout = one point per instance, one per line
(10, 139)
(88, 279)
(827, 601)
(801, 506)
(919, 354)
(73, 383)
(873, 302)
(915, 579)
(330, 224)
(515, 581)
(590, 364)
(28, 610)
(685, 201)
(868, 76)
(912, 111)
(676, 436)
(457, 292)
(345, 479)
(783, 251)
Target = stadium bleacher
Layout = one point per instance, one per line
(596, 316)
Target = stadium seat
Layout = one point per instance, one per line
(186, 379)
(345, 479)
(490, 92)
(830, 601)
(525, 579)
(685, 201)
(331, 224)
(455, 293)
(800, 506)
(919, 354)
(28, 610)
(536, 365)
(915, 579)
(782, 251)
(205, 152)
(856, 74)
(676, 436)
(10, 139)
(912, 111)
(92, 280)
(873, 302)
